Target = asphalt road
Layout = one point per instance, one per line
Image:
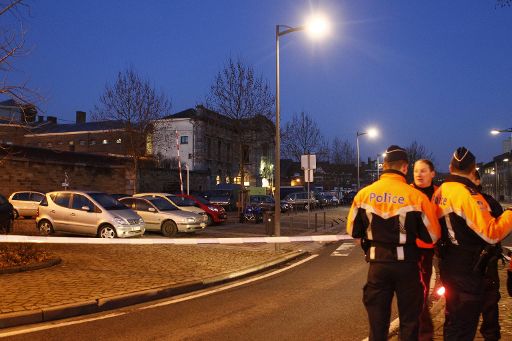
(317, 300)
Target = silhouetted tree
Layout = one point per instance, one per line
(135, 102)
(342, 152)
(301, 135)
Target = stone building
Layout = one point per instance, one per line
(208, 142)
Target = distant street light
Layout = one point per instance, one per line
(497, 182)
(372, 132)
(378, 163)
(316, 27)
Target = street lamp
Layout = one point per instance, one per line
(372, 132)
(496, 132)
(316, 27)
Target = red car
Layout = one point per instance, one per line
(216, 214)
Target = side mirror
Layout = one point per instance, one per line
(151, 209)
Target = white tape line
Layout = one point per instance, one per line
(155, 241)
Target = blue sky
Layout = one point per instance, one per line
(438, 72)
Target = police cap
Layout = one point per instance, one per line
(395, 153)
(463, 159)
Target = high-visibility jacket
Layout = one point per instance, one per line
(429, 192)
(465, 215)
(390, 214)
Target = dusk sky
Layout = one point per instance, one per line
(438, 72)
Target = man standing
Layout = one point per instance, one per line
(389, 216)
(467, 229)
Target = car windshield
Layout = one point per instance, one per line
(180, 201)
(162, 204)
(107, 202)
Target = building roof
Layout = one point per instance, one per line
(51, 128)
(199, 112)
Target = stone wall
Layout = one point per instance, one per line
(168, 180)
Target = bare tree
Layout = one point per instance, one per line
(301, 135)
(342, 152)
(134, 102)
(236, 92)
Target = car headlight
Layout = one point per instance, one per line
(141, 221)
(120, 221)
(189, 220)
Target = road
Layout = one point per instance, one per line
(319, 299)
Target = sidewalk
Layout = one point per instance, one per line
(92, 278)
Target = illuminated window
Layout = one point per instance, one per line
(184, 139)
(217, 179)
(118, 141)
(104, 141)
(92, 142)
(71, 143)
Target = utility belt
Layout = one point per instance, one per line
(478, 258)
(389, 252)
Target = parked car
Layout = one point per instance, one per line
(332, 200)
(348, 197)
(322, 199)
(6, 215)
(160, 215)
(216, 214)
(300, 200)
(180, 203)
(253, 213)
(221, 197)
(118, 196)
(267, 202)
(25, 203)
(87, 213)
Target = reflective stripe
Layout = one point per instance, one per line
(449, 227)
(403, 233)
(372, 252)
(400, 253)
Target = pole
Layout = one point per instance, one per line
(377, 167)
(179, 161)
(357, 147)
(277, 192)
(188, 177)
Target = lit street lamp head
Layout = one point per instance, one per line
(495, 132)
(317, 26)
(372, 132)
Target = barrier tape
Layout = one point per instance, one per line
(175, 241)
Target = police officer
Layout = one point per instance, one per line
(490, 327)
(424, 173)
(467, 228)
(388, 216)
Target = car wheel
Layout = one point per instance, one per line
(107, 231)
(15, 214)
(169, 228)
(45, 227)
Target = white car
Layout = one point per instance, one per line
(160, 215)
(25, 203)
(87, 213)
(183, 204)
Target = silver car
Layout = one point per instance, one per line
(160, 215)
(180, 203)
(87, 213)
(25, 203)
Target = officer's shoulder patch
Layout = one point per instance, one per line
(471, 190)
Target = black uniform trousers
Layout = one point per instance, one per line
(426, 332)
(464, 299)
(384, 280)
(490, 327)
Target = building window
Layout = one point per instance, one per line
(82, 142)
(118, 141)
(104, 141)
(92, 142)
(189, 156)
(184, 140)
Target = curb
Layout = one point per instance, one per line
(32, 266)
(107, 303)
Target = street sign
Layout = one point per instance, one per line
(308, 161)
(308, 175)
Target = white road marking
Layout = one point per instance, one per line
(52, 325)
(343, 250)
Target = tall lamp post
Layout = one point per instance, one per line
(371, 133)
(316, 27)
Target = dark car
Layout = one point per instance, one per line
(349, 197)
(267, 202)
(6, 215)
(221, 197)
(216, 214)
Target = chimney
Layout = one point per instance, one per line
(80, 117)
(40, 119)
(51, 119)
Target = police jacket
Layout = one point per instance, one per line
(429, 192)
(391, 214)
(467, 224)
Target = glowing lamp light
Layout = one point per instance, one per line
(441, 291)
(495, 132)
(505, 160)
(372, 132)
(317, 26)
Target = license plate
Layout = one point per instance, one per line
(136, 229)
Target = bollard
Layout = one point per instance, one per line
(324, 220)
(316, 220)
